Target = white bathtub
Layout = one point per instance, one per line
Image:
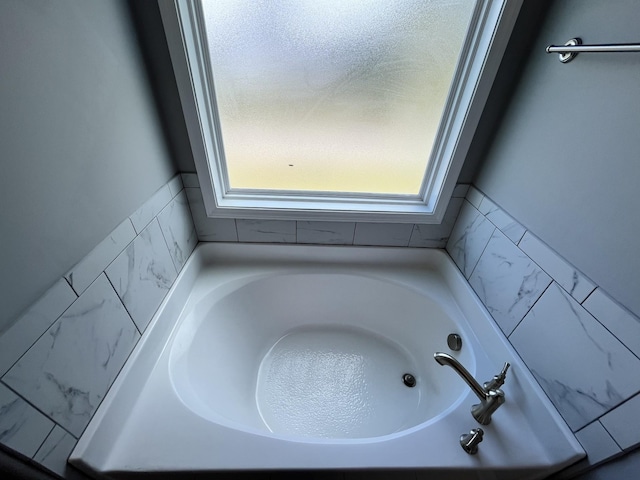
(291, 357)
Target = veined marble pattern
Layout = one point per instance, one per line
(622, 323)
(152, 207)
(143, 274)
(500, 219)
(507, 281)
(436, 236)
(178, 230)
(209, 229)
(574, 282)
(34, 322)
(622, 423)
(88, 269)
(55, 451)
(469, 238)
(326, 233)
(22, 427)
(267, 231)
(383, 234)
(587, 373)
(67, 372)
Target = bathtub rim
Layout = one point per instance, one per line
(87, 456)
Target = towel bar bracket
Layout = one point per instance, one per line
(566, 57)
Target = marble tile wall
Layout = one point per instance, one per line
(581, 346)
(319, 232)
(58, 359)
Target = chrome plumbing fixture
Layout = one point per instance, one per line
(409, 380)
(469, 441)
(569, 50)
(490, 395)
(454, 341)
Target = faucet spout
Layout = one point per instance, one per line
(446, 359)
(491, 397)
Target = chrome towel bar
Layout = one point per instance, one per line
(569, 50)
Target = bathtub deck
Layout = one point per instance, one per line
(143, 425)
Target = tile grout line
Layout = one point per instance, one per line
(57, 318)
(35, 407)
(164, 237)
(527, 313)
(482, 253)
(122, 303)
(608, 432)
(69, 283)
(44, 332)
(44, 440)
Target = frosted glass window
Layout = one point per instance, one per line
(332, 95)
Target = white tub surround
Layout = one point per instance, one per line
(590, 368)
(58, 360)
(204, 389)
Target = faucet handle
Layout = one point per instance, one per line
(469, 441)
(498, 380)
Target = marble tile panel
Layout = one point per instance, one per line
(597, 442)
(209, 229)
(22, 427)
(55, 451)
(67, 372)
(266, 231)
(622, 323)
(474, 196)
(436, 236)
(622, 423)
(91, 266)
(460, 190)
(599, 447)
(217, 230)
(190, 180)
(178, 230)
(417, 240)
(469, 238)
(175, 185)
(574, 282)
(502, 220)
(143, 274)
(326, 233)
(581, 366)
(383, 234)
(507, 281)
(152, 207)
(34, 322)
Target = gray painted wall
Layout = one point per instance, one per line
(565, 162)
(80, 140)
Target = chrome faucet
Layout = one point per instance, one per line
(490, 395)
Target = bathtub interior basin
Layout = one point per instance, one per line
(267, 357)
(315, 355)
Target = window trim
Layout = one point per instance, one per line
(482, 51)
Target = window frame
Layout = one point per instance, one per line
(482, 51)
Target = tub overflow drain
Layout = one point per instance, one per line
(409, 380)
